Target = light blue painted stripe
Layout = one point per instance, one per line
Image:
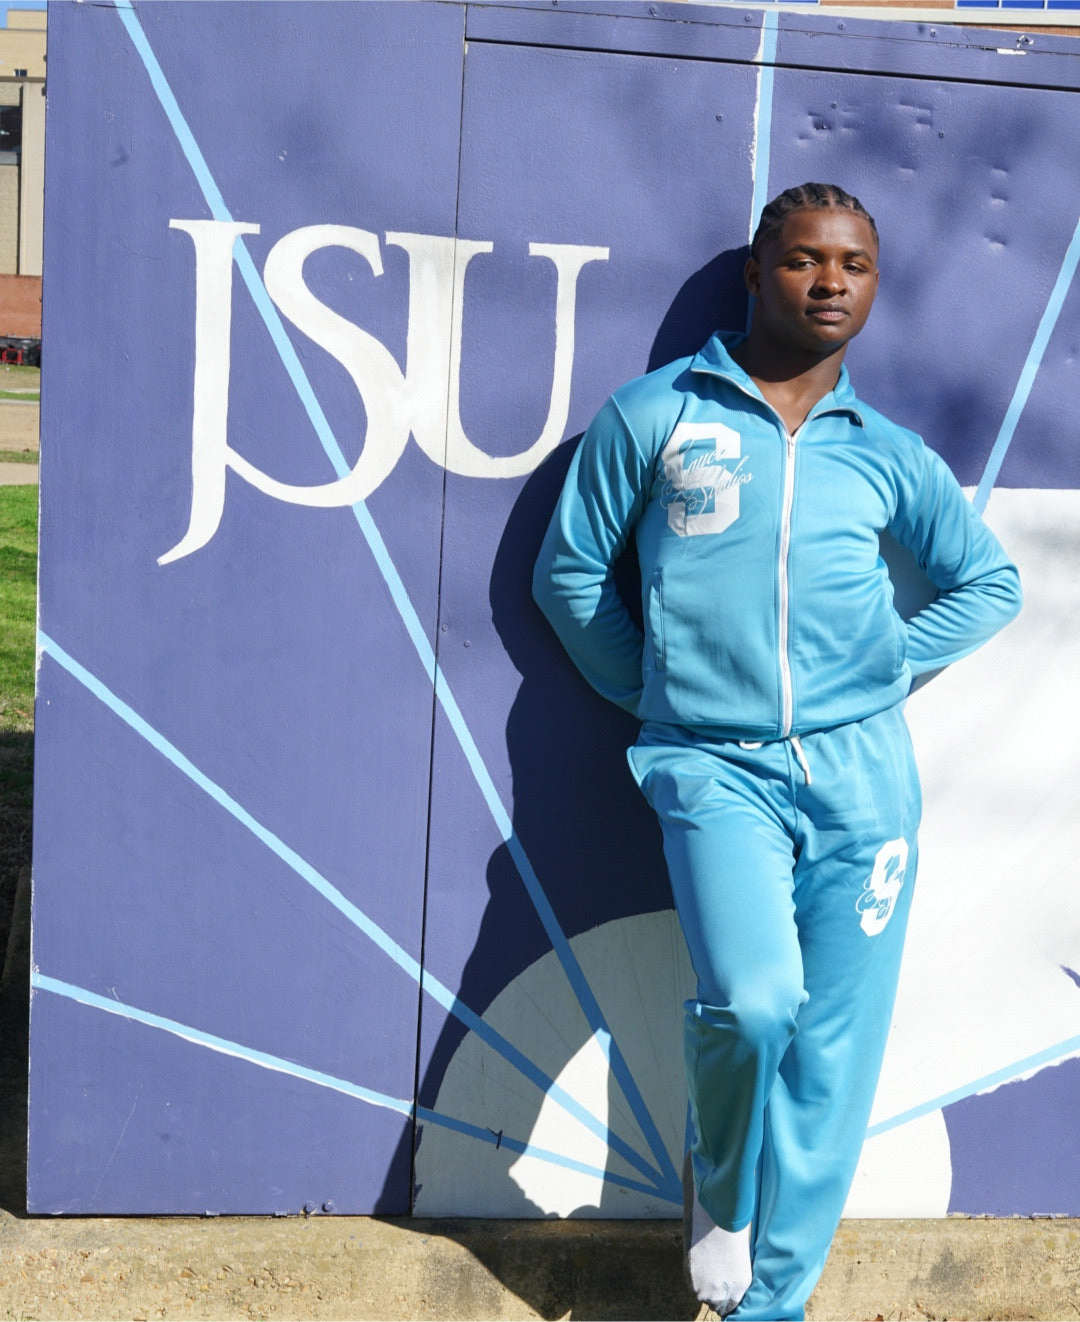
(430, 984)
(770, 20)
(172, 110)
(1029, 371)
(411, 620)
(763, 127)
(269, 313)
(289, 358)
(620, 1069)
(1067, 1048)
(44, 983)
(543, 1154)
(216, 202)
(277, 846)
(279, 1065)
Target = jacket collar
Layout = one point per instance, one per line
(715, 359)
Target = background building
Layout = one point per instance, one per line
(22, 170)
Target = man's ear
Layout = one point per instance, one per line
(752, 276)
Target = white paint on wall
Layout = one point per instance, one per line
(995, 917)
(994, 921)
(905, 1171)
(422, 400)
(640, 973)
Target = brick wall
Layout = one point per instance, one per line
(20, 306)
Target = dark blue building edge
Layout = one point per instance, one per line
(296, 805)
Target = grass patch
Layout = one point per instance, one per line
(18, 456)
(18, 599)
(23, 396)
(18, 603)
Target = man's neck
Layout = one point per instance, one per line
(792, 382)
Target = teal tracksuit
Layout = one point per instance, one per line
(774, 751)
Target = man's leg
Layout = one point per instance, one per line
(730, 857)
(853, 885)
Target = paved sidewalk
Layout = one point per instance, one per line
(19, 427)
(18, 475)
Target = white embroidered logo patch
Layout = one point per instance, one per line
(880, 890)
(703, 471)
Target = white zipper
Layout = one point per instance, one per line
(787, 697)
(786, 688)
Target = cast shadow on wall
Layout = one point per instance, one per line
(588, 834)
(597, 852)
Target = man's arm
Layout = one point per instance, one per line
(574, 584)
(978, 586)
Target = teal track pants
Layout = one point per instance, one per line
(792, 866)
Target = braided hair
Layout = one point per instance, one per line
(806, 197)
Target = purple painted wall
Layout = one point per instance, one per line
(292, 876)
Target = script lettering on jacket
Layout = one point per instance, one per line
(422, 400)
(703, 470)
(720, 477)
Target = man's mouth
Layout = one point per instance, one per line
(827, 313)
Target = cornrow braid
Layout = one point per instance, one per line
(806, 197)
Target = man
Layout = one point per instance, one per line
(770, 678)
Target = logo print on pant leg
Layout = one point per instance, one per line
(880, 890)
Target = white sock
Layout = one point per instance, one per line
(718, 1262)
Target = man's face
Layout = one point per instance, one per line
(815, 280)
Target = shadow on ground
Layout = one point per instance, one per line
(16, 827)
(14, 1052)
(574, 1269)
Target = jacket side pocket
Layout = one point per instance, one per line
(655, 652)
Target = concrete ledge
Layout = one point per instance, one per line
(954, 1268)
(362, 1268)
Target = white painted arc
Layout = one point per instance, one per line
(982, 986)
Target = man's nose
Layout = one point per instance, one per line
(830, 280)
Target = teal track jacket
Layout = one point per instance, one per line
(767, 606)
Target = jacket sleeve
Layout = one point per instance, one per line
(978, 586)
(605, 491)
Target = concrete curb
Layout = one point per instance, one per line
(334, 1268)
